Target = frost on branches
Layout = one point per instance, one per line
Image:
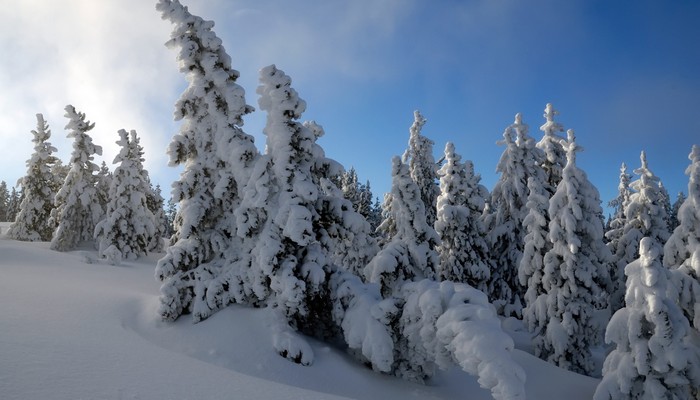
(463, 248)
(575, 270)
(32, 221)
(129, 227)
(77, 209)
(654, 357)
(216, 155)
(410, 255)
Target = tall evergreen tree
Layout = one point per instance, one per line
(77, 208)
(104, 181)
(32, 222)
(129, 226)
(4, 201)
(575, 269)
(682, 250)
(13, 206)
(665, 202)
(644, 217)
(531, 270)
(154, 202)
(654, 357)
(217, 156)
(507, 212)
(673, 218)
(410, 254)
(616, 230)
(422, 166)
(550, 144)
(463, 248)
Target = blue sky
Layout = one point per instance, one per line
(625, 75)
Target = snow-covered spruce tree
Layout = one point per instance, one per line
(537, 244)
(550, 144)
(16, 198)
(410, 255)
(129, 226)
(351, 187)
(170, 212)
(32, 222)
(654, 357)
(104, 181)
(575, 269)
(673, 218)
(644, 217)
(504, 221)
(463, 248)
(4, 201)
(77, 208)
(300, 228)
(616, 230)
(422, 166)
(665, 202)
(682, 250)
(155, 203)
(217, 156)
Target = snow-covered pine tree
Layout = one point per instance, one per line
(154, 202)
(59, 172)
(575, 269)
(654, 357)
(550, 144)
(537, 244)
(680, 198)
(410, 254)
(104, 181)
(682, 250)
(129, 226)
(665, 203)
(32, 222)
(644, 217)
(350, 186)
(4, 201)
(507, 210)
(217, 156)
(16, 198)
(613, 234)
(422, 166)
(463, 248)
(300, 228)
(366, 206)
(170, 212)
(77, 208)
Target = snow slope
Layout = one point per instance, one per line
(71, 329)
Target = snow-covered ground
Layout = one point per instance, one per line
(72, 329)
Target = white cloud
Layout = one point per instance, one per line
(106, 58)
